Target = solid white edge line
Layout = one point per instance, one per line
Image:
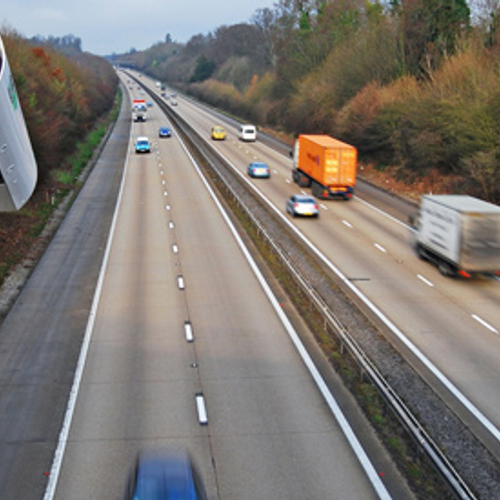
(381, 212)
(365, 462)
(70, 409)
(450, 386)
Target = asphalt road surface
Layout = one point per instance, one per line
(172, 261)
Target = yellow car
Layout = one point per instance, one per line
(218, 133)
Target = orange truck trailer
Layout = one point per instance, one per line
(325, 164)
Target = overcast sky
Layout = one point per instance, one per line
(107, 26)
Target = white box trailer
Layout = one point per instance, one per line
(460, 234)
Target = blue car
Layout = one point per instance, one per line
(165, 475)
(165, 132)
(258, 169)
(142, 145)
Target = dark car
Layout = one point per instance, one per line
(162, 475)
(165, 132)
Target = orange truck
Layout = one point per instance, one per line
(325, 164)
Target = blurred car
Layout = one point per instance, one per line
(248, 133)
(142, 145)
(165, 475)
(173, 101)
(164, 132)
(258, 169)
(300, 204)
(218, 133)
(150, 104)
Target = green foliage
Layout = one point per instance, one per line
(203, 70)
(410, 84)
(237, 71)
(431, 30)
(61, 98)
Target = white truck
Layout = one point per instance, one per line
(139, 110)
(460, 234)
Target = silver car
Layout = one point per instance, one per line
(301, 204)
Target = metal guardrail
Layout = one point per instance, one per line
(455, 482)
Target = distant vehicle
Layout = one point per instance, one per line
(248, 133)
(164, 132)
(150, 104)
(460, 234)
(258, 169)
(325, 164)
(139, 110)
(218, 133)
(299, 204)
(173, 101)
(142, 145)
(165, 476)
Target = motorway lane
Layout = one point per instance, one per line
(376, 252)
(270, 434)
(41, 336)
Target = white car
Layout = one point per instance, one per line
(300, 204)
(248, 133)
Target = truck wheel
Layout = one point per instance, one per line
(317, 190)
(447, 270)
(421, 252)
(303, 181)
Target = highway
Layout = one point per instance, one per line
(453, 324)
(174, 266)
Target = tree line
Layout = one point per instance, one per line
(62, 90)
(411, 83)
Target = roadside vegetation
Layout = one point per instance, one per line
(415, 86)
(67, 102)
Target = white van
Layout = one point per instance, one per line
(248, 133)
